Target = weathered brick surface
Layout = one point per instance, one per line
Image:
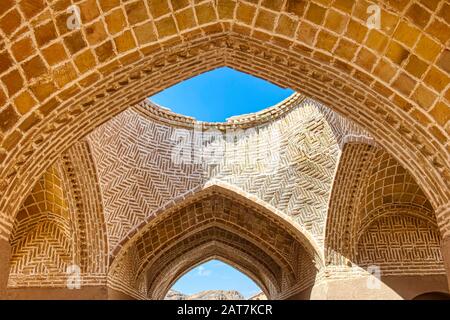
(378, 215)
(57, 85)
(288, 163)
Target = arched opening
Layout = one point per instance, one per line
(220, 94)
(216, 224)
(214, 280)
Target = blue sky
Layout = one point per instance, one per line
(216, 275)
(214, 96)
(220, 93)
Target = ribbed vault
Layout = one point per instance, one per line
(379, 216)
(277, 255)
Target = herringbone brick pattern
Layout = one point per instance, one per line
(138, 176)
(378, 213)
(395, 241)
(42, 240)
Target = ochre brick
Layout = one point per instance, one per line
(265, 20)
(95, 33)
(306, 32)
(64, 74)
(366, 59)
(344, 5)
(8, 117)
(346, 49)
(10, 22)
(376, 41)
(245, 13)
(158, 7)
(179, 4)
(6, 5)
(45, 33)
(356, 31)
(336, 21)
(439, 30)
(42, 90)
(145, 33)
(406, 62)
(12, 140)
(104, 51)
(406, 34)
(89, 10)
(418, 15)
(24, 102)
(125, 42)
(286, 26)
(225, 8)
(315, 13)
(54, 53)
(404, 83)
(29, 122)
(416, 66)
(107, 5)
(2, 97)
(185, 19)
(427, 48)
(115, 21)
(166, 27)
(437, 79)
(325, 40)
(13, 82)
(420, 116)
(5, 61)
(444, 13)
(275, 5)
(34, 68)
(30, 8)
(296, 7)
(444, 61)
(136, 12)
(441, 113)
(396, 52)
(22, 49)
(75, 42)
(205, 13)
(424, 97)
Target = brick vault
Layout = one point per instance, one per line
(123, 197)
(295, 196)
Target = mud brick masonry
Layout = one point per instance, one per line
(363, 153)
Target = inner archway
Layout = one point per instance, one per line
(214, 279)
(216, 224)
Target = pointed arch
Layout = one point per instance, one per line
(213, 215)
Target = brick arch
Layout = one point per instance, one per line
(45, 215)
(242, 261)
(373, 193)
(208, 217)
(402, 99)
(61, 224)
